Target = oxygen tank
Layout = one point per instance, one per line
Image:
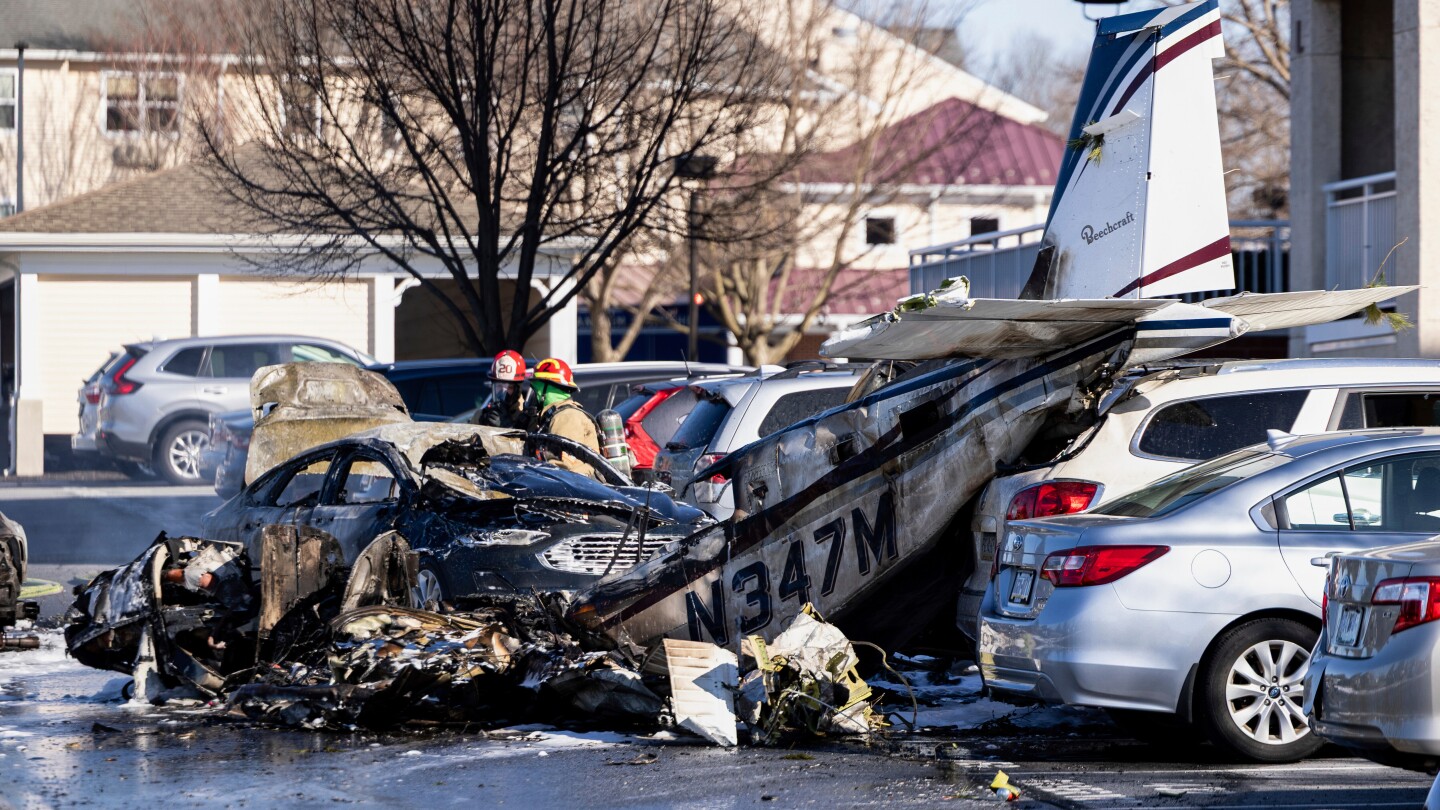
(612, 440)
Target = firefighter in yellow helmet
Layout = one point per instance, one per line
(561, 415)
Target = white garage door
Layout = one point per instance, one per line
(339, 310)
(83, 319)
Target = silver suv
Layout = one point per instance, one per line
(734, 412)
(156, 398)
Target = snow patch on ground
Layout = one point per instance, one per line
(16, 664)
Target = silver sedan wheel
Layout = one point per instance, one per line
(1266, 692)
(426, 594)
(184, 452)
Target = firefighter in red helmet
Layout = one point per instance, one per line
(561, 415)
(509, 405)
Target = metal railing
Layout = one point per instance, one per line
(998, 264)
(1359, 229)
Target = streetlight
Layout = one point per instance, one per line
(692, 166)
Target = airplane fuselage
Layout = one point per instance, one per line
(830, 509)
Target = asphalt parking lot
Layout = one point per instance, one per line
(77, 743)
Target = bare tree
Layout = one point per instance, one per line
(1253, 95)
(849, 135)
(475, 136)
(1044, 74)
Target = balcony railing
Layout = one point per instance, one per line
(1359, 229)
(998, 264)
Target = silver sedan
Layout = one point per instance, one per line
(1371, 685)
(1192, 602)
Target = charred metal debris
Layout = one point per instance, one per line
(304, 640)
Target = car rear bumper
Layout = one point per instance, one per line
(210, 460)
(83, 443)
(1085, 648)
(1386, 701)
(108, 444)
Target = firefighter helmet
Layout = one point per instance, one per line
(556, 372)
(508, 367)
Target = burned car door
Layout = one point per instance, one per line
(361, 501)
(284, 497)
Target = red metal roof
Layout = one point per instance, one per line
(951, 143)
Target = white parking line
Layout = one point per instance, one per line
(1072, 789)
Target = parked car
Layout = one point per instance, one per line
(732, 413)
(448, 391)
(653, 414)
(89, 399)
(156, 398)
(1159, 421)
(482, 511)
(1371, 685)
(1193, 598)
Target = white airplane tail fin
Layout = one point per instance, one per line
(1139, 207)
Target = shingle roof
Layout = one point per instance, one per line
(178, 200)
(83, 25)
(951, 143)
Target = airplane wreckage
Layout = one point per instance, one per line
(849, 515)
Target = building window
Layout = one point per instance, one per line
(7, 99)
(299, 108)
(879, 230)
(979, 225)
(141, 103)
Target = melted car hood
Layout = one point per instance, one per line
(523, 478)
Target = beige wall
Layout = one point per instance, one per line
(84, 318)
(67, 150)
(917, 225)
(338, 310)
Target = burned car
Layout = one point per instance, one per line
(482, 512)
(14, 555)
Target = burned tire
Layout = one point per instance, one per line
(176, 456)
(1251, 690)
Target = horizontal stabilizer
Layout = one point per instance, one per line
(987, 327)
(1262, 311)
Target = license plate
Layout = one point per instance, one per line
(1347, 630)
(1020, 589)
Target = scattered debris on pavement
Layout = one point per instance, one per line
(303, 641)
(1004, 791)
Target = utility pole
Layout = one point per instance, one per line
(20, 128)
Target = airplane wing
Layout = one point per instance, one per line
(987, 327)
(1001, 329)
(1263, 311)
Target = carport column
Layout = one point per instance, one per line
(1417, 171)
(29, 407)
(382, 318)
(562, 330)
(205, 305)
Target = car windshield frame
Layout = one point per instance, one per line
(1192, 484)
